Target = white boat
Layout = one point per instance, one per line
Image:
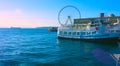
(52, 29)
(95, 30)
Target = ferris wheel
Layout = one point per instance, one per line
(69, 11)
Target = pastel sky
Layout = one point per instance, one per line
(39, 13)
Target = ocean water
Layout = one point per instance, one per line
(38, 47)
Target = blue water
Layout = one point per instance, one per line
(38, 47)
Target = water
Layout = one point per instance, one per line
(38, 47)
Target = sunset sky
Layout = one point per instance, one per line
(39, 13)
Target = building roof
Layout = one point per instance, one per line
(112, 18)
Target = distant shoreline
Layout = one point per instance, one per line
(25, 27)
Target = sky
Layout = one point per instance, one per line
(40, 13)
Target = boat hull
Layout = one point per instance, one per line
(98, 40)
(101, 35)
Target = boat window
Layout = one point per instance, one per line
(74, 33)
(92, 25)
(112, 30)
(117, 30)
(69, 33)
(60, 32)
(82, 33)
(97, 24)
(78, 33)
(94, 32)
(88, 33)
(65, 33)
